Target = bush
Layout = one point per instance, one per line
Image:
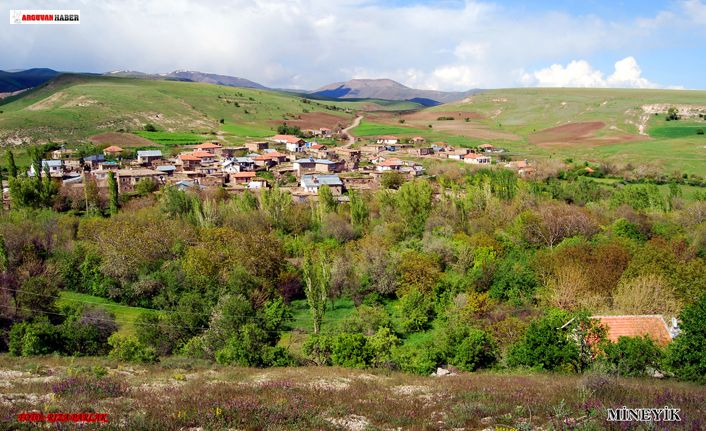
(545, 346)
(514, 280)
(318, 348)
(149, 127)
(476, 350)
(88, 332)
(250, 348)
(632, 356)
(349, 350)
(416, 311)
(418, 359)
(129, 349)
(38, 338)
(380, 347)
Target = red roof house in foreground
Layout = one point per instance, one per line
(653, 326)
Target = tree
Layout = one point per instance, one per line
(11, 166)
(358, 209)
(277, 203)
(551, 223)
(114, 198)
(685, 355)
(145, 186)
(90, 192)
(149, 127)
(175, 202)
(391, 180)
(317, 278)
(327, 201)
(632, 356)
(414, 202)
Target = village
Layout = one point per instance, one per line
(298, 165)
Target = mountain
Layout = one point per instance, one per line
(211, 78)
(15, 81)
(389, 90)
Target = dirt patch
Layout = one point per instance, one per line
(314, 120)
(123, 140)
(583, 134)
(46, 103)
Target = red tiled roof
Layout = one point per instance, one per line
(388, 137)
(290, 139)
(113, 149)
(245, 175)
(200, 154)
(473, 156)
(208, 145)
(189, 157)
(485, 146)
(653, 326)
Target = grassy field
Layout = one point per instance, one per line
(187, 394)
(125, 316)
(514, 118)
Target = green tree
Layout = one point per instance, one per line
(174, 202)
(145, 186)
(4, 258)
(317, 278)
(114, 198)
(685, 355)
(358, 209)
(414, 200)
(632, 356)
(327, 201)
(11, 166)
(277, 204)
(90, 193)
(391, 180)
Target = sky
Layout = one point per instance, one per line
(443, 45)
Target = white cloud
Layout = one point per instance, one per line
(579, 73)
(309, 43)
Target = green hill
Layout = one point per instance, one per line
(585, 124)
(76, 107)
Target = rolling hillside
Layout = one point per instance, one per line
(623, 126)
(73, 108)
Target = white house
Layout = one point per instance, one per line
(477, 159)
(311, 183)
(389, 165)
(56, 168)
(292, 143)
(145, 157)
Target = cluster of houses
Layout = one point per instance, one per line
(302, 165)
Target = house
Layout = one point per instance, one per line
(487, 148)
(389, 165)
(108, 166)
(112, 151)
(439, 147)
(311, 183)
(63, 153)
(317, 165)
(92, 162)
(387, 140)
(167, 169)
(292, 143)
(424, 151)
(209, 147)
(205, 156)
(242, 177)
(128, 178)
(145, 157)
(517, 164)
(56, 168)
(325, 132)
(189, 162)
(652, 326)
(257, 146)
(476, 159)
(417, 140)
(257, 183)
(457, 154)
(270, 159)
(238, 164)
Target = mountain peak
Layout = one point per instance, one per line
(387, 89)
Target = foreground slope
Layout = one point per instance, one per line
(186, 395)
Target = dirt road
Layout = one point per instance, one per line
(351, 138)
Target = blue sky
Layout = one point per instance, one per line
(446, 45)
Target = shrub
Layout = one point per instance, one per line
(349, 350)
(514, 279)
(88, 333)
(149, 127)
(545, 345)
(476, 350)
(416, 311)
(418, 359)
(380, 347)
(632, 356)
(38, 338)
(318, 349)
(129, 349)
